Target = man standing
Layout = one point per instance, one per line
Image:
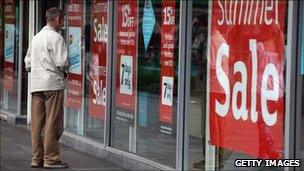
(47, 60)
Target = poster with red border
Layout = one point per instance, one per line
(246, 77)
(99, 39)
(9, 44)
(126, 72)
(74, 85)
(167, 67)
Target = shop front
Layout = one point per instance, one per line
(186, 85)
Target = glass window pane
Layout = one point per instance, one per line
(96, 35)
(11, 54)
(1, 52)
(237, 89)
(85, 114)
(197, 109)
(74, 118)
(144, 116)
(302, 88)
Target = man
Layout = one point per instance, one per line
(47, 60)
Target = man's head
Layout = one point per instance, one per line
(54, 17)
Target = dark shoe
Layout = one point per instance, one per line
(199, 164)
(36, 165)
(57, 165)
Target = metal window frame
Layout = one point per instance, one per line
(110, 78)
(20, 59)
(32, 29)
(290, 110)
(211, 150)
(183, 84)
(299, 82)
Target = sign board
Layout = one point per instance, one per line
(99, 39)
(246, 77)
(126, 78)
(74, 86)
(167, 67)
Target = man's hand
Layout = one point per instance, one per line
(28, 69)
(65, 74)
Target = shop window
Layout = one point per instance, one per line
(145, 106)
(237, 96)
(9, 82)
(87, 37)
(1, 51)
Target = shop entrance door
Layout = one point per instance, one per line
(43, 6)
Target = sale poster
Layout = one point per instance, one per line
(75, 50)
(167, 67)
(246, 77)
(99, 38)
(74, 85)
(9, 44)
(126, 78)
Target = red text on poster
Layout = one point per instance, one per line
(74, 86)
(167, 65)
(99, 39)
(246, 77)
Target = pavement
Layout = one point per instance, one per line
(16, 153)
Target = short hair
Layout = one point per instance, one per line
(52, 13)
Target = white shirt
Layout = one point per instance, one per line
(47, 57)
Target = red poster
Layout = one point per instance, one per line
(74, 86)
(9, 44)
(99, 38)
(126, 80)
(167, 64)
(246, 76)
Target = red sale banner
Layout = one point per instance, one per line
(74, 86)
(166, 66)
(9, 44)
(99, 38)
(246, 77)
(126, 81)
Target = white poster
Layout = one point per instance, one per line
(126, 65)
(75, 49)
(9, 41)
(167, 90)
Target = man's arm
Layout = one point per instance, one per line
(61, 57)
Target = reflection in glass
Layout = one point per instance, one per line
(197, 109)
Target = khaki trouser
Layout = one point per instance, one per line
(47, 110)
